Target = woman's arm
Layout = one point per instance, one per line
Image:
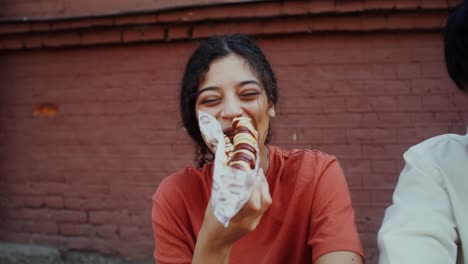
(333, 233)
(340, 257)
(214, 241)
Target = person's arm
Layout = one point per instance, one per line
(215, 241)
(340, 257)
(419, 227)
(334, 238)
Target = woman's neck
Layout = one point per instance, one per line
(264, 159)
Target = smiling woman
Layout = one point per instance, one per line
(299, 211)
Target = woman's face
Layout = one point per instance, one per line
(231, 89)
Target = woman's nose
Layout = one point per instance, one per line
(231, 109)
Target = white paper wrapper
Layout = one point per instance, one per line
(231, 187)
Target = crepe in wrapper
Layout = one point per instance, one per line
(231, 187)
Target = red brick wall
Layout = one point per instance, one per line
(83, 178)
(67, 8)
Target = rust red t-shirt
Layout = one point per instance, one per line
(310, 215)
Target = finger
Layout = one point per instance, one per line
(265, 192)
(256, 197)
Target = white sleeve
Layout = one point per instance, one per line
(419, 227)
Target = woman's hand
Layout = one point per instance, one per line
(215, 241)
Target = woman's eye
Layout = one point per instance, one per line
(250, 95)
(209, 101)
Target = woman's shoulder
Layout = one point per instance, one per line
(310, 155)
(182, 181)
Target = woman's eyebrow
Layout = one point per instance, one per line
(249, 82)
(209, 88)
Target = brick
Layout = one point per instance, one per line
(428, 54)
(15, 237)
(101, 37)
(202, 31)
(107, 231)
(135, 19)
(103, 217)
(321, 6)
(388, 55)
(434, 4)
(380, 71)
(11, 225)
(48, 228)
(11, 43)
(436, 102)
(334, 135)
(31, 214)
(40, 26)
(180, 16)
(369, 219)
(267, 9)
(53, 240)
(431, 86)
(69, 216)
(61, 39)
(11, 28)
(410, 134)
(369, 135)
(106, 247)
(433, 70)
(54, 201)
(138, 250)
(82, 23)
(74, 203)
(33, 41)
(387, 87)
(343, 150)
(178, 32)
(32, 202)
(348, 23)
(379, 4)
(358, 104)
(322, 24)
(384, 166)
(452, 117)
(408, 71)
(84, 230)
(79, 243)
(294, 8)
(373, 22)
(143, 34)
(359, 197)
(355, 165)
(132, 233)
(350, 6)
(372, 254)
(411, 5)
(383, 150)
(381, 198)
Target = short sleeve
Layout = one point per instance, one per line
(332, 223)
(172, 244)
(419, 227)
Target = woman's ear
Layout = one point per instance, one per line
(271, 111)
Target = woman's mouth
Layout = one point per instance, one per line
(229, 132)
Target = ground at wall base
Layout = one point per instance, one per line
(11, 253)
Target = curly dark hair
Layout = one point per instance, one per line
(198, 65)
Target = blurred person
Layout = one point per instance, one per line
(428, 220)
(300, 209)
